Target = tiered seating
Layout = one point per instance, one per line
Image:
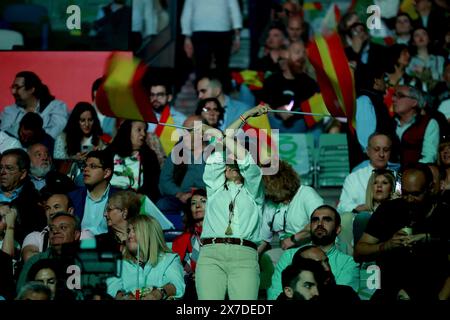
(332, 164)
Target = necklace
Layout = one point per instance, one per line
(231, 206)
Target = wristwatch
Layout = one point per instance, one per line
(163, 292)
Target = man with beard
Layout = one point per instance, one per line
(300, 280)
(325, 225)
(409, 237)
(31, 95)
(291, 86)
(41, 173)
(160, 98)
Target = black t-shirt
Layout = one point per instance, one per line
(422, 269)
(279, 91)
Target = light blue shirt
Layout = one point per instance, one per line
(344, 268)
(233, 109)
(366, 120)
(54, 116)
(167, 271)
(14, 195)
(430, 140)
(93, 219)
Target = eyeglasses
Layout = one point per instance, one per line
(210, 110)
(401, 95)
(90, 166)
(158, 95)
(108, 209)
(414, 194)
(16, 87)
(8, 169)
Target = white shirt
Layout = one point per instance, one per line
(7, 142)
(305, 201)
(55, 117)
(210, 15)
(289, 218)
(354, 189)
(168, 270)
(248, 203)
(36, 238)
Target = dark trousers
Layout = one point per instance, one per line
(209, 44)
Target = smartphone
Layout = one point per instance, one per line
(398, 184)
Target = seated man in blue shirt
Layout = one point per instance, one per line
(90, 201)
(16, 187)
(325, 226)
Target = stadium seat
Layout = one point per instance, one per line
(32, 21)
(332, 160)
(10, 39)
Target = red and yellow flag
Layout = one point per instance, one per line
(122, 94)
(335, 79)
(259, 129)
(168, 136)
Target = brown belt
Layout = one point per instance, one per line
(241, 242)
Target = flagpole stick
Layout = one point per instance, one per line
(175, 126)
(304, 113)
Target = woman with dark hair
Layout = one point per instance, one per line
(51, 273)
(397, 61)
(81, 134)
(424, 65)
(187, 245)
(136, 166)
(211, 111)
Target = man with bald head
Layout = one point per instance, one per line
(353, 196)
(325, 225)
(409, 237)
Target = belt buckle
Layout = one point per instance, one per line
(242, 242)
(213, 240)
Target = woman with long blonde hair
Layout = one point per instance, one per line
(149, 270)
(380, 188)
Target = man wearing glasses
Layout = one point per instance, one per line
(90, 201)
(31, 95)
(16, 188)
(418, 134)
(160, 98)
(409, 237)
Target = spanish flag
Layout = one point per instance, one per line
(122, 94)
(259, 131)
(168, 136)
(335, 79)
